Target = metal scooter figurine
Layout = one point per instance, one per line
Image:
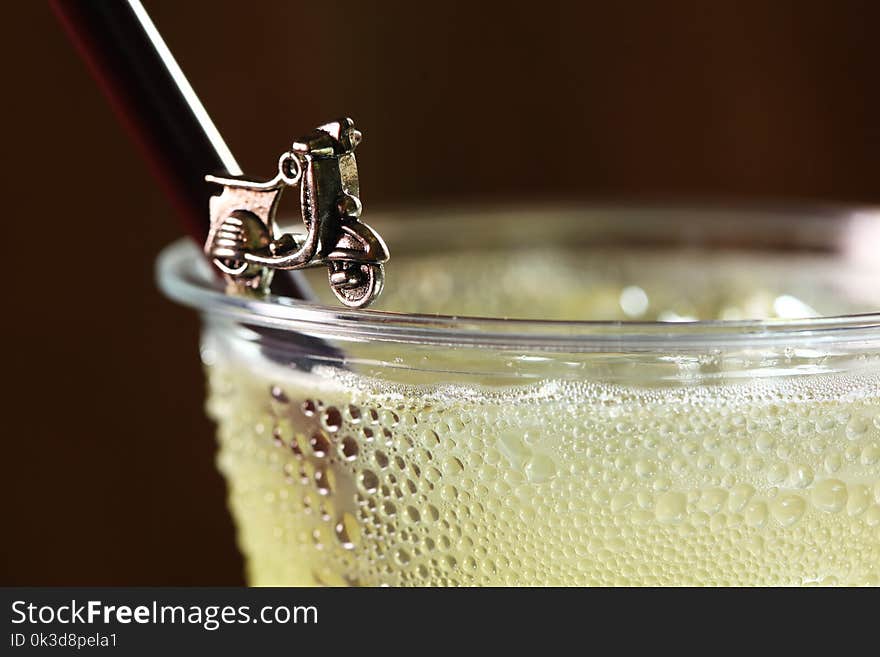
(244, 241)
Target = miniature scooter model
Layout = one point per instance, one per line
(244, 241)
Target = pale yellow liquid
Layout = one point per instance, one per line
(352, 478)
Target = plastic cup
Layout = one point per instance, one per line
(395, 448)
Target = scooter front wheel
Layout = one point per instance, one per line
(356, 285)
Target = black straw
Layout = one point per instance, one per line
(154, 101)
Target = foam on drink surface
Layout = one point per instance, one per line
(345, 478)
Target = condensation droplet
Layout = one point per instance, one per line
(348, 448)
(829, 495)
(332, 419)
(368, 481)
(740, 496)
(756, 514)
(787, 509)
(859, 499)
(540, 468)
(278, 395)
(671, 507)
(319, 443)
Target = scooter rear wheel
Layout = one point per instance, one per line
(361, 284)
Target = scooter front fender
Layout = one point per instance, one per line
(358, 243)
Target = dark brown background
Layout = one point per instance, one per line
(107, 458)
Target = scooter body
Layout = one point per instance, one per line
(245, 242)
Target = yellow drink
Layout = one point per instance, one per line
(350, 482)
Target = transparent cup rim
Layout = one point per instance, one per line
(184, 276)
